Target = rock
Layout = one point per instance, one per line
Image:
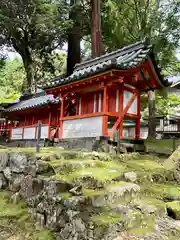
(76, 202)
(150, 206)
(66, 231)
(3, 182)
(76, 191)
(7, 173)
(3, 161)
(115, 193)
(55, 221)
(15, 198)
(71, 214)
(44, 168)
(18, 162)
(66, 155)
(122, 149)
(15, 182)
(31, 187)
(40, 220)
(54, 187)
(130, 176)
(79, 225)
(173, 209)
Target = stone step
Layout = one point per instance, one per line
(115, 193)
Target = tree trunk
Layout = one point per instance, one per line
(74, 40)
(28, 65)
(152, 113)
(97, 48)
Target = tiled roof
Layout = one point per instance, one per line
(34, 102)
(125, 58)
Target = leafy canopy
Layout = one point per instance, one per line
(33, 28)
(128, 21)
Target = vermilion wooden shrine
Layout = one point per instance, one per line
(94, 101)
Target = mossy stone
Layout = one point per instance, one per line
(173, 209)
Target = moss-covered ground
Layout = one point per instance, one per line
(99, 179)
(15, 223)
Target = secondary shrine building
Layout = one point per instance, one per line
(96, 100)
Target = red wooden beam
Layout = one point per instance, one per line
(61, 116)
(121, 106)
(105, 110)
(49, 125)
(138, 120)
(123, 113)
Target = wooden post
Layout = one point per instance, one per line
(138, 120)
(105, 110)
(49, 126)
(121, 107)
(38, 136)
(118, 142)
(61, 116)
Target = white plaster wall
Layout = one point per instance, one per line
(127, 96)
(44, 132)
(29, 133)
(16, 133)
(86, 127)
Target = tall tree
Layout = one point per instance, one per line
(96, 28)
(74, 36)
(32, 27)
(128, 21)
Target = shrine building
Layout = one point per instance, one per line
(95, 101)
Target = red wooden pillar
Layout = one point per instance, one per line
(138, 120)
(105, 110)
(61, 117)
(121, 108)
(49, 125)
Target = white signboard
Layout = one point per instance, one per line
(87, 127)
(44, 132)
(16, 133)
(29, 133)
(133, 108)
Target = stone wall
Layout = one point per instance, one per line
(61, 205)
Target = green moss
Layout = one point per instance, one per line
(9, 210)
(100, 174)
(65, 195)
(106, 218)
(93, 193)
(161, 190)
(15, 220)
(174, 207)
(44, 235)
(147, 226)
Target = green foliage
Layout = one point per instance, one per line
(125, 22)
(12, 76)
(33, 28)
(165, 105)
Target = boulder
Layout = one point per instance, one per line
(44, 168)
(130, 176)
(31, 187)
(3, 182)
(18, 162)
(66, 155)
(54, 187)
(3, 161)
(15, 182)
(173, 209)
(114, 194)
(7, 173)
(15, 198)
(76, 191)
